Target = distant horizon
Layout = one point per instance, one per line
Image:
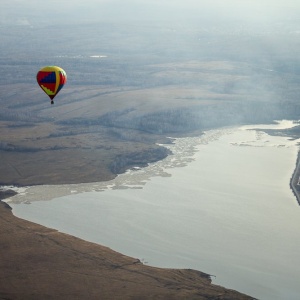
(256, 12)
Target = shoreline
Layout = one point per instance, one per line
(49, 264)
(206, 289)
(294, 181)
(190, 157)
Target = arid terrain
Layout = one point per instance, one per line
(130, 89)
(93, 133)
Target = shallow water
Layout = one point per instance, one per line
(221, 204)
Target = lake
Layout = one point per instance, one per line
(221, 204)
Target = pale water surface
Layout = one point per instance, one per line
(221, 204)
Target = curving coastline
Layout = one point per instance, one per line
(295, 179)
(297, 164)
(42, 263)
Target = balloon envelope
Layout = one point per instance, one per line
(51, 79)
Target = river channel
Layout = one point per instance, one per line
(221, 204)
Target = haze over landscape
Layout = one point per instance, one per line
(138, 72)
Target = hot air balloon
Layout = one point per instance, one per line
(51, 79)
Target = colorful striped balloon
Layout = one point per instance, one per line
(51, 79)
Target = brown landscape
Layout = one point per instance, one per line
(131, 88)
(92, 134)
(93, 138)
